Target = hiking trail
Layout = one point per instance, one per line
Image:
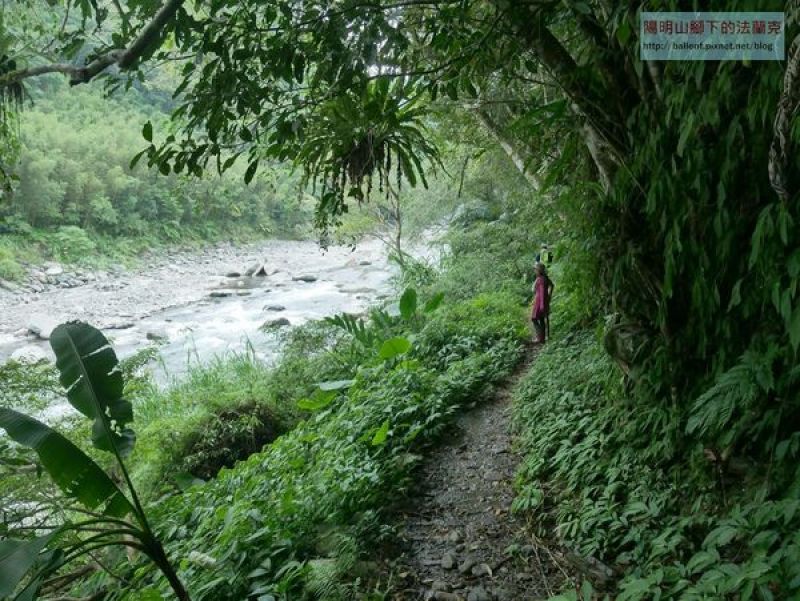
(459, 539)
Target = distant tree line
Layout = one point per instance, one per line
(73, 169)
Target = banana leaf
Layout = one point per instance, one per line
(89, 370)
(71, 469)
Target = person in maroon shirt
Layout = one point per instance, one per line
(540, 311)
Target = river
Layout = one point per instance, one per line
(194, 306)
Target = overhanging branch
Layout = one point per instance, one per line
(124, 58)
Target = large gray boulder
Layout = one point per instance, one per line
(54, 269)
(259, 270)
(29, 353)
(276, 323)
(42, 326)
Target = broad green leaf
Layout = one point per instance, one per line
(335, 384)
(623, 33)
(408, 303)
(185, 480)
(381, 434)
(136, 159)
(434, 302)
(71, 469)
(583, 8)
(90, 373)
(394, 347)
(147, 131)
(251, 171)
(149, 594)
(17, 557)
(319, 400)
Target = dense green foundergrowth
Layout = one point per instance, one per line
(670, 189)
(611, 479)
(295, 518)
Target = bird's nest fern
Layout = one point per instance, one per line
(359, 142)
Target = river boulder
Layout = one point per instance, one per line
(54, 269)
(42, 326)
(276, 323)
(259, 270)
(157, 335)
(29, 354)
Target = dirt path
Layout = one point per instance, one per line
(460, 540)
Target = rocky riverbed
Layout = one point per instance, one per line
(195, 304)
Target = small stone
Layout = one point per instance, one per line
(454, 536)
(120, 325)
(156, 336)
(445, 596)
(526, 550)
(479, 594)
(448, 561)
(275, 308)
(219, 294)
(440, 585)
(233, 274)
(244, 292)
(10, 286)
(365, 262)
(466, 565)
(502, 594)
(304, 278)
(54, 270)
(481, 569)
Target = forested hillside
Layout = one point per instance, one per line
(74, 190)
(74, 170)
(657, 430)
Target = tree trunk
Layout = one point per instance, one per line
(519, 162)
(602, 129)
(787, 107)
